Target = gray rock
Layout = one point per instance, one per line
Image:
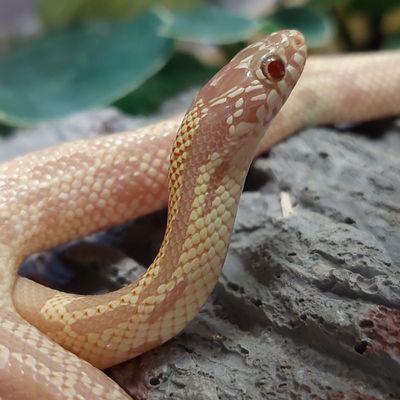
(307, 306)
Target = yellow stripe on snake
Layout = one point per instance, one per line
(55, 195)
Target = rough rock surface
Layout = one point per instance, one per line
(308, 305)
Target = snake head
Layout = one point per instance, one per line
(248, 92)
(232, 111)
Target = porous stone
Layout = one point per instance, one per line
(307, 306)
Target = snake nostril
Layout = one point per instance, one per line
(298, 41)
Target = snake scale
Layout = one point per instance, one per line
(57, 194)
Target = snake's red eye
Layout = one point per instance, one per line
(273, 68)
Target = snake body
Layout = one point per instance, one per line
(54, 195)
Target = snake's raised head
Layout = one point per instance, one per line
(244, 96)
(232, 111)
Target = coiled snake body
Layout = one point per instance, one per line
(54, 195)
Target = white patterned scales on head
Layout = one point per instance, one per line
(91, 184)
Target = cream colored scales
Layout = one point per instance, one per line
(103, 182)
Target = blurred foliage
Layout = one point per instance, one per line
(359, 23)
(74, 69)
(316, 26)
(392, 42)
(203, 25)
(373, 6)
(5, 129)
(182, 72)
(98, 52)
(60, 13)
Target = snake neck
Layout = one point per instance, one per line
(204, 191)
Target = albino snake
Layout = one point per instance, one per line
(55, 195)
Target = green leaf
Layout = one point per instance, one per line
(79, 68)
(392, 42)
(181, 72)
(315, 25)
(207, 25)
(60, 13)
